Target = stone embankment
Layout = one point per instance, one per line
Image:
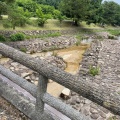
(106, 55)
(37, 32)
(38, 45)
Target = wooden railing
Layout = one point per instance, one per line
(47, 71)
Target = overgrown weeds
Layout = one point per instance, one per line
(94, 70)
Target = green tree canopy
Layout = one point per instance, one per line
(111, 13)
(76, 9)
(95, 12)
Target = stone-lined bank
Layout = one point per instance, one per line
(37, 32)
(38, 45)
(106, 55)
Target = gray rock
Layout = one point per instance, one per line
(94, 116)
(94, 111)
(102, 114)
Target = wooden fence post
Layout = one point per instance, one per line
(41, 89)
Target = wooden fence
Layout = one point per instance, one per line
(47, 71)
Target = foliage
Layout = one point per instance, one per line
(3, 8)
(17, 37)
(7, 24)
(23, 49)
(111, 37)
(76, 9)
(55, 34)
(94, 70)
(41, 17)
(16, 17)
(2, 38)
(78, 42)
(95, 12)
(111, 13)
(115, 32)
(54, 3)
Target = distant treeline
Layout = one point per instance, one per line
(91, 11)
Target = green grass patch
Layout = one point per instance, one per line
(115, 32)
(94, 70)
(55, 34)
(23, 49)
(2, 38)
(17, 37)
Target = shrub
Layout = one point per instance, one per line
(41, 21)
(111, 37)
(2, 38)
(78, 42)
(23, 49)
(94, 70)
(17, 37)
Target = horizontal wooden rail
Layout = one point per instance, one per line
(47, 98)
(27, 107)
(98, 94)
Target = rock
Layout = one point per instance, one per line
(14, 64)
(65, 93)
(87, 101)
(76, 107)
(100, 118)
(12, 68)
(27, 78)
(73, 93)
(50, 81)
(94, 116)
(78, 100)
(73, 101)
(102, 114)
(25, 74)
(94, 111)
(104, 110)
(86, 112)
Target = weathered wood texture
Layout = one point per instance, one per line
(41, 90)
(102, 96)
(20, 102)
(31, 88)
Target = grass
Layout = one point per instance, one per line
(115, 32)
(55, 34)
(94, 70)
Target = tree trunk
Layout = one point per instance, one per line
(76, 22)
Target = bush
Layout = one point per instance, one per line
(23, 49)
(41, 21)
(94, 70)
(2, 38)
(17, 37)
(111, 37)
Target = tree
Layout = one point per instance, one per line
(16, 17)
(76, 9)
(3, 8)
(111, 13)
(41, 17)
(95, 12)
(54, 3)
